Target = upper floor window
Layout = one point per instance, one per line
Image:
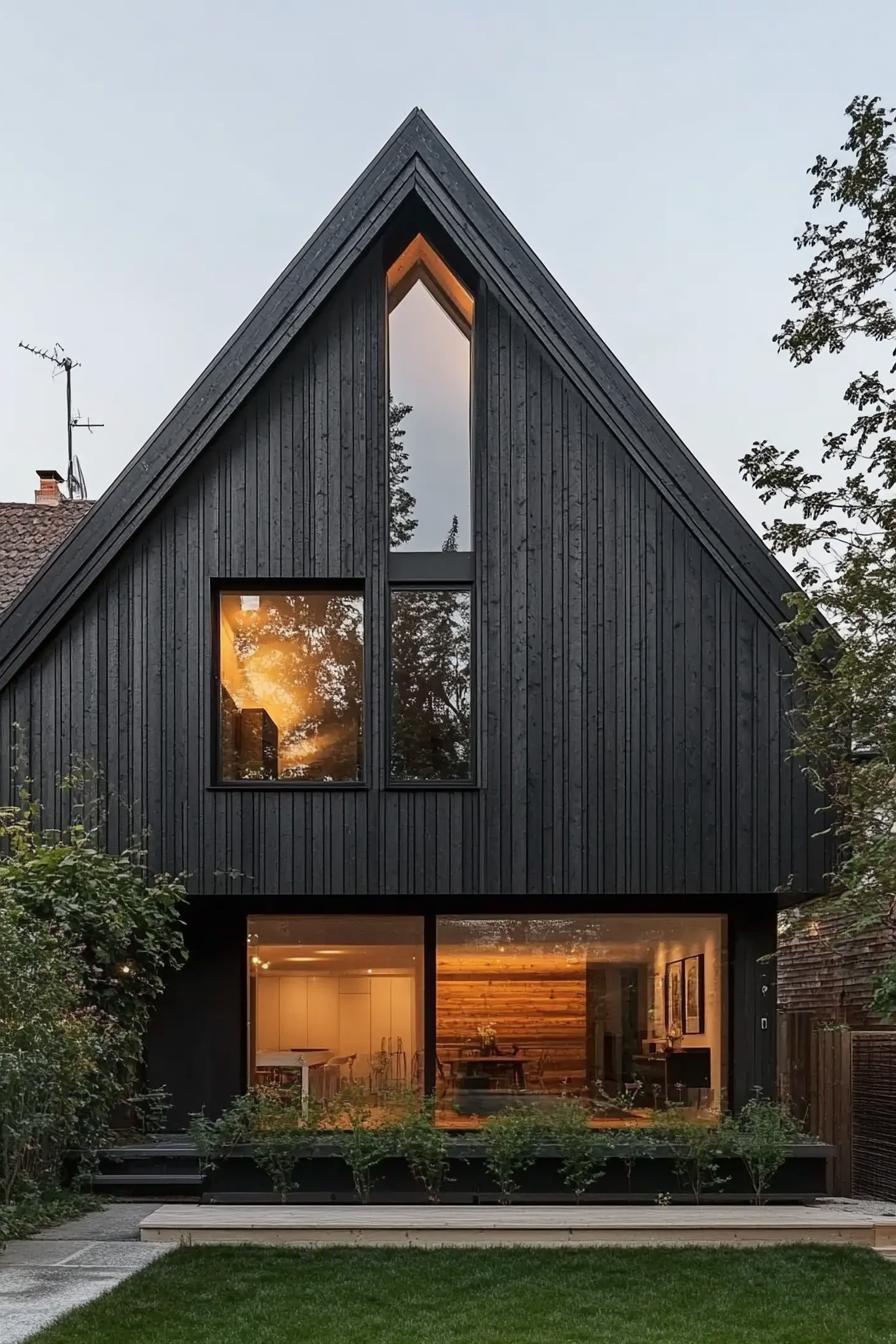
(291, 685)
(431, 685)
(430, 321)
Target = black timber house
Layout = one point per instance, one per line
(420, 641)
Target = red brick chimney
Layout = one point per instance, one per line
(48, 491)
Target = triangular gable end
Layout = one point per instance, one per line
(416, 162)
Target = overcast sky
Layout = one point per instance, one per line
(161, 164)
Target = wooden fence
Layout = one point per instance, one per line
(814, 1077)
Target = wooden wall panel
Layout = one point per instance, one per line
(537, 1012)
(631, 701)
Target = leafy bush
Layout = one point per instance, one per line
(363, 1144)
(124, 923)
(23, 1219)
(284, 1132)
(583, 1150)
(51, 1055)
(630, 1146)
(275, 1124)
(697, 1149)
(511, 1141)
(422, 1145)
(86, 938)
(761, 1135)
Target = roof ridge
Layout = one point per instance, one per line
(415, 160)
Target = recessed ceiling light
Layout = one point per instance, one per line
(250, 602)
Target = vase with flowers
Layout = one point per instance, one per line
(488, 1038)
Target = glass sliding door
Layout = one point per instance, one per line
(627, 1012)
(340, 997)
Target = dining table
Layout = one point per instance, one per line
(513, 1061)
(298, 1058)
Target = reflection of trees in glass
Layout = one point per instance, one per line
(300, 658)
(430, 646)
(430, 684)
(402, 523)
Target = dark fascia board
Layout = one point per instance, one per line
(504, 259)
(416, 160)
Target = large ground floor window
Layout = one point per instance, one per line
(336, 1000)
(624, 1011)
(627, 1012)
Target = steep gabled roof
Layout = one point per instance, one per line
(416, 161)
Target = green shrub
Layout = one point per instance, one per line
(761, 1135)
(284, 1131)
(23, 1219)
(362, 1144)
(273, 1122)
(583, 1150)
(511, 1141)
(422, 1145)
(698, 1147)
(629, 1146)
(51, 1055)
(87, 940)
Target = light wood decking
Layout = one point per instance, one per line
(520, 1225)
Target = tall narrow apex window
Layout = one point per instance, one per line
(430, 322)
(290, 682)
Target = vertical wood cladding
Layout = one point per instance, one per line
(631, 701)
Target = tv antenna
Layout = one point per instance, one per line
(75, 483)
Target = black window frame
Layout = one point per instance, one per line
(220, 585)
(432, 570)
(391, 782)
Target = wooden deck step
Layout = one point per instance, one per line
(520, 1225)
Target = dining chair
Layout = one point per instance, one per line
(536, 1073)
(332, 1079)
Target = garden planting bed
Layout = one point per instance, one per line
(325, 1177)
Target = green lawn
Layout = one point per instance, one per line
(252, 1295)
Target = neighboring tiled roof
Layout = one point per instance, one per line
(28, 534)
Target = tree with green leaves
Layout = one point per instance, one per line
(838, 526)
(112, 932)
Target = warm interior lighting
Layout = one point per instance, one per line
(291, 673)
(430, 326)
(360, 1008)
(420, 261)
(627, 1009)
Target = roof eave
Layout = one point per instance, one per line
(415, 160)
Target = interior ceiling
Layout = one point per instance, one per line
(330, 959)
(385, 959)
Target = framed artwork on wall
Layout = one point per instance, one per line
(693, 995)
(674, 998)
